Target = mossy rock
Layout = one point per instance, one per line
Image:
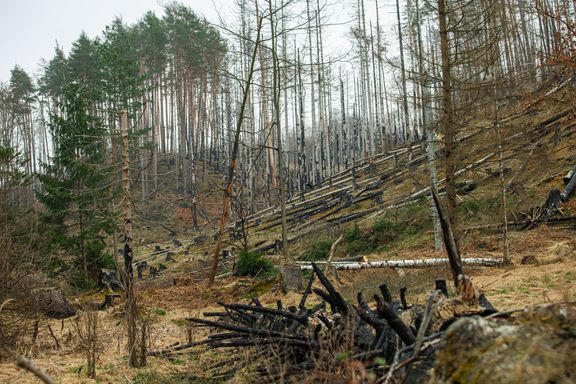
(538, 347)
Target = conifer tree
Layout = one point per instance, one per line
(77, 217)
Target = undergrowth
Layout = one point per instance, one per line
(382, 235)
(153, 377)
(385, 232)
(318, 251)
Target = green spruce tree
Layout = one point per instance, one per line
(74, 186)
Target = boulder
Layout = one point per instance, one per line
(538, 347)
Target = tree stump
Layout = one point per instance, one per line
(291, 277)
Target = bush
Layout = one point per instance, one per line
(382, 233)
(83, 283)
(318, 251)
(385, 227)
(252, 264)
(106, 261)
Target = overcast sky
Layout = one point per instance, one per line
(30, 29)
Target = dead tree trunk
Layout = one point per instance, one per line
(447, 118)
(131, 308)
(233, 159)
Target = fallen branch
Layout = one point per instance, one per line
(28, 365)
(332, 250)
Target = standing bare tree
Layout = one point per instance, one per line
(136, 351)
(234, 157)
(447, 119)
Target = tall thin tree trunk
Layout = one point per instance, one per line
(447, 119)
(414, 135)
(233, 159)
(312, 96)
(130, 306)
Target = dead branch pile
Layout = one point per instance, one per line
(392, 334)
(389, 340)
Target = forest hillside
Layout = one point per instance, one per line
(192, 201)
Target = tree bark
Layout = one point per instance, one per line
(130, 307)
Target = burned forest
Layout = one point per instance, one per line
(289, 191)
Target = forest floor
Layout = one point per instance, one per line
(180, 292)
(514, 287)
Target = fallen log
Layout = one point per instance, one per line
(419, 263)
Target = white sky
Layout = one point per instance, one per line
(29, 29)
